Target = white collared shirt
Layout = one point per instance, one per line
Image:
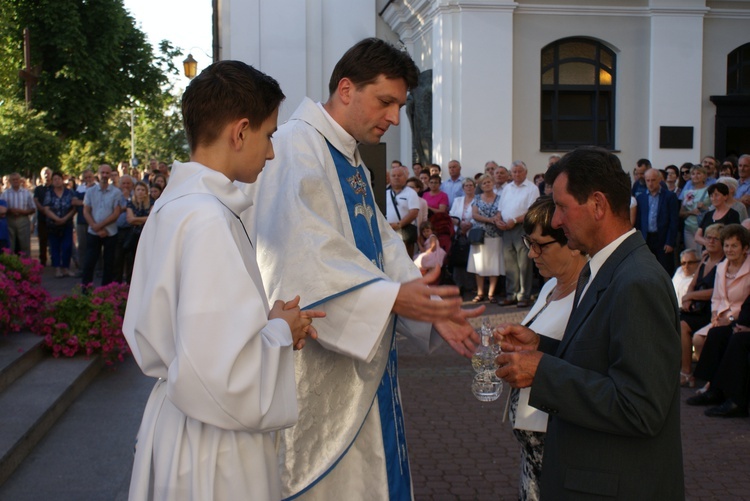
(516, 199)
(598, 259)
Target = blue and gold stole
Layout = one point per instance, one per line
(362, 215)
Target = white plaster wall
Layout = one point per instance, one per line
(240, 33)
(298, 42)
(675, 85)
(283, 53)
(625, 33)
(484, 118)
(485, 66)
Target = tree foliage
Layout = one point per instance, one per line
(25, 142)
(92, 58)
(158, 132)
(95, 66)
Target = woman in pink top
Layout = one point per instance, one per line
(732, 284)
(437, 201)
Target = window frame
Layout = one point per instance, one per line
(738, 86)
(552, 118)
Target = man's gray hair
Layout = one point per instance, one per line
(689, 251)
(519, 163)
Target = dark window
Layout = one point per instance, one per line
(738, 70)
(578, 94)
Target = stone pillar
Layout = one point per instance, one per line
(675, 66)
(472, 54)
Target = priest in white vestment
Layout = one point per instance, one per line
(198, 318)
(347, 261)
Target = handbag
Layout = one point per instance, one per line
(701, 307)
(409, 232)
(476, 236)
(460, 247)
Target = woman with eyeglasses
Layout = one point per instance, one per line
(682, 278)
(549, 249)
(732, 285)
(695, 311)
(695, 203)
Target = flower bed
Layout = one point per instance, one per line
(87, 323)
(22, 296)
(78, 323)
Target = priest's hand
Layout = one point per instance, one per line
(300, 322)
(415, 299)
(458, 333)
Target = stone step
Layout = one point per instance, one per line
(19, 352)
(37, 397)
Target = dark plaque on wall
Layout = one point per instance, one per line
(676, 138)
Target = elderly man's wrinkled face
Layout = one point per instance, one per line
(398, 178)
(710, 165)
(689, 262)
(454, 169)
(653, 178)
(501, 175)
(743, 167)
(126, 184)
(518, 173)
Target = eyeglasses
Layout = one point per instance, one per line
(685, 172)
(535, 246)
(683, 263)
(711, 239)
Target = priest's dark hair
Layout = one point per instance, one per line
(370, 58)
(590, 169)
(226, 91)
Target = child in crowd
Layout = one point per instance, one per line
(430, 255)
(197, 316)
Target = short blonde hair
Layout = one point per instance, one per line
(484, 177)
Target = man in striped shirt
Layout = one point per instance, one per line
(20, 207)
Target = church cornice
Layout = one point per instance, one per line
(602, 10)
(411, 19)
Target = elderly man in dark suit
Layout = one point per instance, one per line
(611, 384)
(657, 218)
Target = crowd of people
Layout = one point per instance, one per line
(477, 221)
(234, 413)
(693, 218)
(80, 219)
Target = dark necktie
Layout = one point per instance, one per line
(583, 279)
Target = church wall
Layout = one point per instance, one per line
(485, 55)
(627, 35)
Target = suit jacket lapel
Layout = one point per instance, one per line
(601, 281)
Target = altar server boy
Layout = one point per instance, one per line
(197, 316)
